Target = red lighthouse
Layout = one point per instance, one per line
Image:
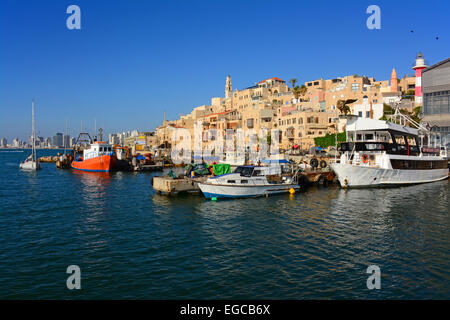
(419, 66)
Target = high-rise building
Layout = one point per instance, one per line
(58, 140)
(113, 139)
(16, 143)
(3, 142)
(66, 141)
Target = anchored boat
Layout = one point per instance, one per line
(380, 153)
(98, 157)
(248, 181)
(32, 163)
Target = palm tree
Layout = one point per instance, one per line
(343, 105)
(296, 92)
(303, 90)
(293, 81)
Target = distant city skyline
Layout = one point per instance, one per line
(131, 62)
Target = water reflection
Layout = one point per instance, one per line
(93, 197)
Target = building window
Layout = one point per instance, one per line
(360, 114)
(355, 86)
(367, 114)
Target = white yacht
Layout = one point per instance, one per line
(248, 181)
(31, 163)
(380, 153)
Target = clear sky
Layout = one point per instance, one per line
(132, 60)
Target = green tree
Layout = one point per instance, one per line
(330, 140)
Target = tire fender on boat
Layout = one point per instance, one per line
(314, 163)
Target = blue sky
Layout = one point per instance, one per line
(133, 60)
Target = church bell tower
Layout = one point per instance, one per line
(228, 87)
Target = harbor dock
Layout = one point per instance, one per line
(168, 185)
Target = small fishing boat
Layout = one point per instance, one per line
(248, 181)
(98, 157)
(32, 163)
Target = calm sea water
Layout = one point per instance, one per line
(133, 244)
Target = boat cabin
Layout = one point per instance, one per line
(257, 171)
(98, 148)
(252, 175)
(382, 136)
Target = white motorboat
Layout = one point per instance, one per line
(383, 153)
(248, 181)
(32, 163)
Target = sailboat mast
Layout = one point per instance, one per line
(33, 137)
(64, 138)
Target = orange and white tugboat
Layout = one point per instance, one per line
(97, 156)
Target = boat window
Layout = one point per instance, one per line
(383, 138)
(101, 149)
(231, 181)
(369, 136)
(374, 146)
(399, 139)
(257, 173)
(246, 171)
(244, 181)
(411, 141)
(238, 170)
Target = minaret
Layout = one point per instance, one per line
(228, 87)
(420, 65)
(394, 81)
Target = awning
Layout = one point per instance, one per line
(275, 161)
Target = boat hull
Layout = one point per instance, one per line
(233, 191)
(353, 176)
(104, 163)
(30, 165)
